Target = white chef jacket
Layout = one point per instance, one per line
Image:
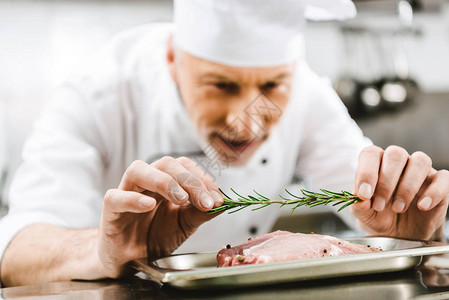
(124, 106)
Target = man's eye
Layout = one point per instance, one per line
(269, 85)
(226, 86)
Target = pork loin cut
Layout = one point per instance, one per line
(284, 245)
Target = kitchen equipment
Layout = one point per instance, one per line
(199, 270)
(375, 76)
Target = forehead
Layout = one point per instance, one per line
(208, 69)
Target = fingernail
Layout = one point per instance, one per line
(180, 194)
(145, 202)
(379, 204)
(398, 205)
(206, 201)
(365, 191)
(425, 203)
(217, 198)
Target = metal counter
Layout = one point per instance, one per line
(424, 282)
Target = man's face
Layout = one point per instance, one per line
(233, 108)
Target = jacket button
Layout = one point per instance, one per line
(253, 230)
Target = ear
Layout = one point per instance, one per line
(170, 55)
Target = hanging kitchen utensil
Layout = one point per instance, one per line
(398, 90)
(347, 86)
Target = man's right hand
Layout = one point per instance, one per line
(154, 210)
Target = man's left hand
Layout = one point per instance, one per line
(403, 196)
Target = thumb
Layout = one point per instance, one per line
(361, 213)
(192, 218)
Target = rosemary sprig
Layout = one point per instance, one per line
(308, 198)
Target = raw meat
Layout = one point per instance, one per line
(284, 245)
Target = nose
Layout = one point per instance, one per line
(243, 119)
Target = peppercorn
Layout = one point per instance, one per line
(228, 246)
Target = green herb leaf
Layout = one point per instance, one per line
(308, 198)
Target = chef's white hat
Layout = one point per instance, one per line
(250, 32)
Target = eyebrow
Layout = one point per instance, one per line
(282, 75)
(225, 78)
(215, 75)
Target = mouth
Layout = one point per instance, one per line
(238, 146)
(235, 151)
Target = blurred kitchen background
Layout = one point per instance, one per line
(390, 66)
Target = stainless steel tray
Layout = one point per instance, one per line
(199, 270)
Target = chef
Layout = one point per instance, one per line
(128, 157)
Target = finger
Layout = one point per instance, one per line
(364, 216)
(367, 174)
(436, 192)
(192, 184)
(210, 184)
(418, 168)
(393, 163)
(141, 176)
(118, 201)
(191, 218)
